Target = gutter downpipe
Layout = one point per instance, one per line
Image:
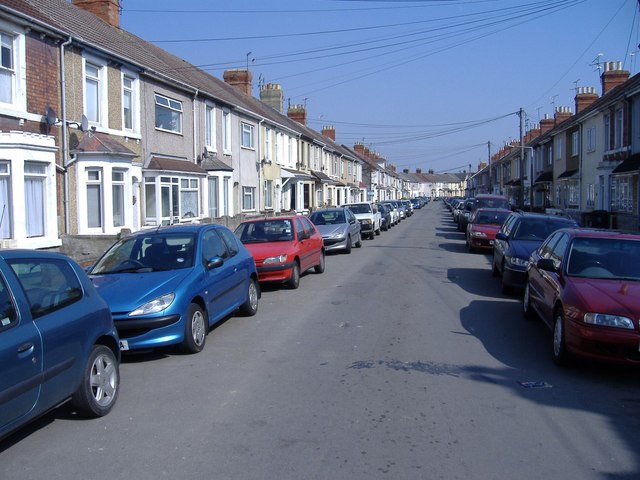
(65, 141)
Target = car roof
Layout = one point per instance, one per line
(267, 219)
(25, 252)
(544, 216)
(602, 233)
(168, 229)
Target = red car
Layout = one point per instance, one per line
(483, 225)
(585, 285)
(283, 247)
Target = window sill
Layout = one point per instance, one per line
(168, 131)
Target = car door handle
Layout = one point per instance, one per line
(25, 347)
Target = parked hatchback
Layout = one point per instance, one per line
(520, 234)
(585, 285)
(283, 247)
(57, 339)
(339, 228)
(169, 285)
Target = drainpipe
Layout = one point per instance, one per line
(195, 128)
(65, 141)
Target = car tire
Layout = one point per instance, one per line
(378, 231)
(250, 307)
(358, 244)
(494, 270)
(195, 330)
(559, 350)
(319, 268)
(527, 309)
(294, 279)
(100, 384)
(347, 248)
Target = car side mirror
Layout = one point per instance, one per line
(303, 235)
(547, 265)
(214, 262)
(502, 236)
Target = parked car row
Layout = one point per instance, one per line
(583, 283)
(63, 328)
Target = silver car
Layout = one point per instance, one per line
(339, 227)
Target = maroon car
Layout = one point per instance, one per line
(483, 225)
(585, 285)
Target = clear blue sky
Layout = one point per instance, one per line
(425, 83)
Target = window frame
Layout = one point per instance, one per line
(247, 135)
(169, 107)
(210, 137)
(134, 90)
(248, 198)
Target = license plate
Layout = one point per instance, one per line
(124, 345)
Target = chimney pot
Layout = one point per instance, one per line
(106, 10)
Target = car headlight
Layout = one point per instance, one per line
(517, 262)
(154, 306)
(367, 221)
(478, 234)
(277, 259)
(607, 320)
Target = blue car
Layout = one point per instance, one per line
(57, 340)
(169, 285)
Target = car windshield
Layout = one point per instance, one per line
(265, 231)
(330, 217)
(360, 208)
(538, 228)
(604, 258)
(148, 253)
(491, 218)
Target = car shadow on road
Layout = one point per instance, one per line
(524, 347)
(477, 281)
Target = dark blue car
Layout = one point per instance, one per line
(169, 285)
(57, 339)
(520, 234)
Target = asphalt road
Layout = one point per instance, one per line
(402, 361)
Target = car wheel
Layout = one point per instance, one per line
(560, 354)
(195, 330)
(100, 384)
(250, 307)
(294, 279)
(358, 244)
(319, 268)
(378, 231)
(347, 249)
(527, 309)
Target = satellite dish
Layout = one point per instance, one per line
(51, 116)
(84, 123)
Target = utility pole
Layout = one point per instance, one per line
(521, 114)
(490, 175)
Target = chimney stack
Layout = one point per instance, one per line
(562, 114)
(546, 124)
(419, 171)
(239, 79)
(297, 113)
(329, 131)
(271, 94)
(585, 96)
(106, 10)
(613, 76)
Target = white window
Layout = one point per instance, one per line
(94, 198)
(591, 195)
(247, 135)
(226, 131)
(607, 132)
(621, 193)
(189, 198)
(558, 143)
(129, 103)
(117, 191)
(168, 114)
(575, 143)
(210, 126)
(34, 198)
(267, 143)
(92, 92)
(279, 146)
(213, 197)
(225, 195)
(6, 205)
(618, 130)
(591, 139)
(549, 155)
(268, 194)
(248, 198)
(7, 68)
